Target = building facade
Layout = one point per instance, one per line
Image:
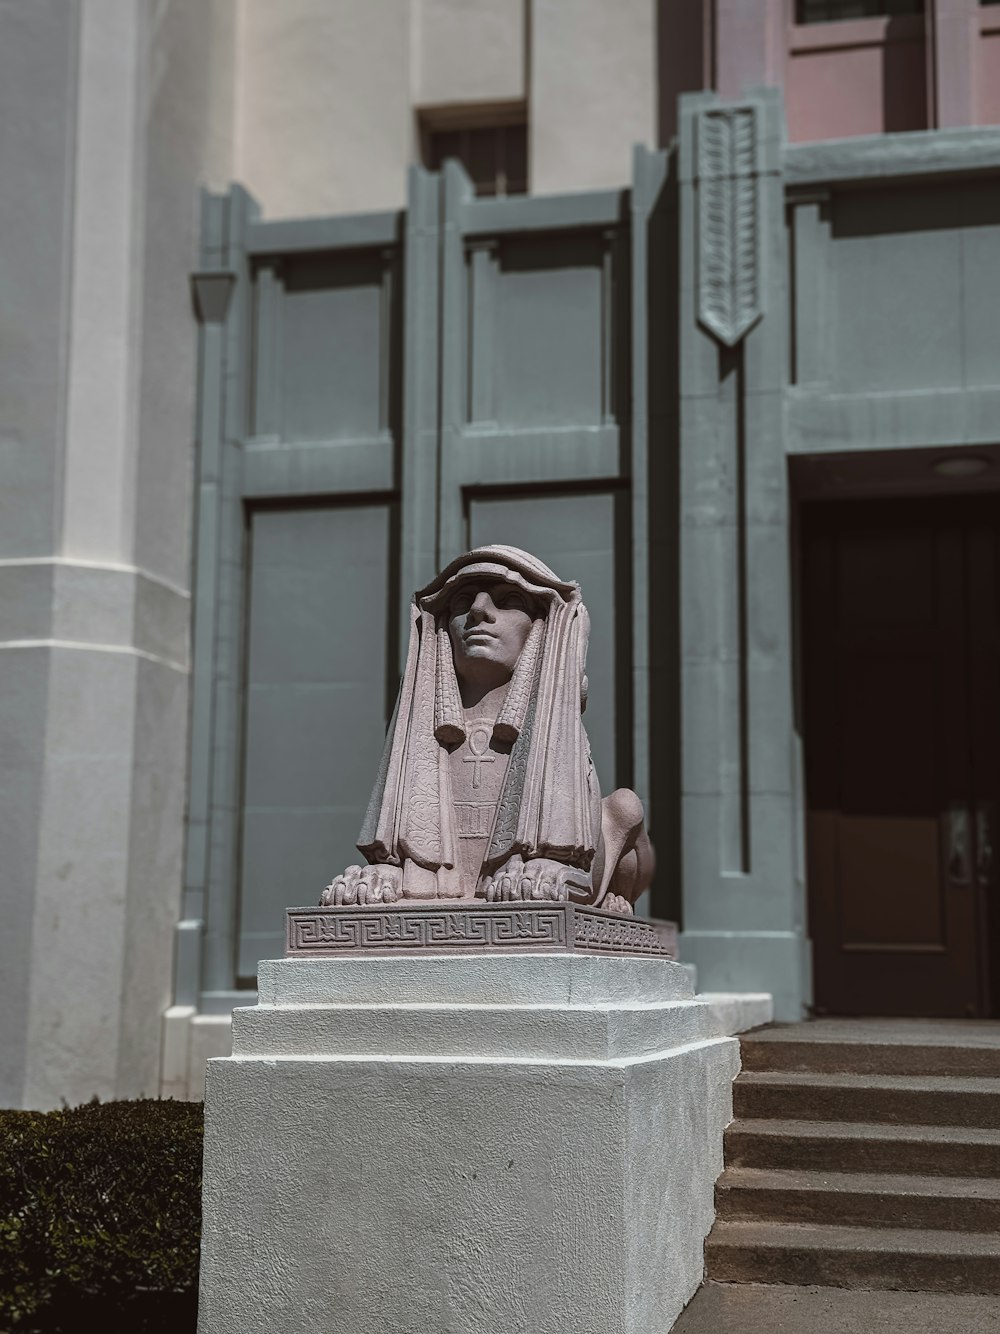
(742, 381)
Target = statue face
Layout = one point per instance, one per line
(489, 626)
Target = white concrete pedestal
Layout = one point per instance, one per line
(511, 1144)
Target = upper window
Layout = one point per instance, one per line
(831, 11)
(495, 156)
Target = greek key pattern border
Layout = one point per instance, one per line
(473, 928)
(611, 933)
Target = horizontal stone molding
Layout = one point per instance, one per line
(65, 644)
(472, 928)
(98, 606)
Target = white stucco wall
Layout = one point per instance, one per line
(119, 110)
(593, 91)
(37, 97)
(323, 104)
(468, 51)
(329, 91)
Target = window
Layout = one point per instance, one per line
(495, 156)
(831, 11)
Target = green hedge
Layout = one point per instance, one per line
(100, 1217)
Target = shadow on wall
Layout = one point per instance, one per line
(904, 78)
(683, 58)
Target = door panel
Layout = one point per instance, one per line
(333, 389)
(899, 752)
(549, 331)
(317, 668)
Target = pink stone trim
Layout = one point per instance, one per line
(474, 928)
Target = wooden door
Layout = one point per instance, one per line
(983, 545)
(901, 670)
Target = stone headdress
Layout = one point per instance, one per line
(545, 809)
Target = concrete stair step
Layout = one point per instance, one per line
(785, 1308)
(863, 1199)
(866, 1048)
(860, 1146)
(899, 1099)
(906, 1259)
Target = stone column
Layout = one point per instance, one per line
(501, 1142)
(743, 913)
(97, 391)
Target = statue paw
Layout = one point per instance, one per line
(615, 903)
(537, 880)
(364, 885)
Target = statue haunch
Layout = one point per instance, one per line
(487, 789)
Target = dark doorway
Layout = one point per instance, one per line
(900, 619)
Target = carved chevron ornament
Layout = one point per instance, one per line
(729, 263)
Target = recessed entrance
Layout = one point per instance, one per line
(900, 619)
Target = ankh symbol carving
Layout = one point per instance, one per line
(479, 740)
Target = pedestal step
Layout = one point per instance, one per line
(864, 1154)
(863, 1199)
(896, 1099)
(852, 1146)
(871, 1047)
(902, 1258)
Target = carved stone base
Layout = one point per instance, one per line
(474, 927)
(481, 1144)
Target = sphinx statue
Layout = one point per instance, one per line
(486, 789)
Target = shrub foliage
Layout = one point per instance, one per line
(100, 1214)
